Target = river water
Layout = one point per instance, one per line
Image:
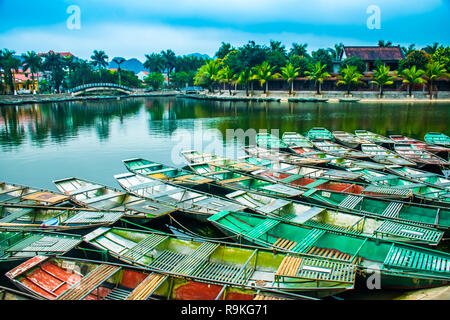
(40, 143)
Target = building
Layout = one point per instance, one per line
(390, 56)
(23, 82)
(62, 54)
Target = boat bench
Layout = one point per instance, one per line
(392, 210)
(350, 202)
(167, 193)
(215, 172)
(234, 180)
(85, 189)
(101, 198)
(146, 166)
(161, 171)
(89, 283)
(315, 183)
(146, 288)
(429, 236)
(291, 178)
(382, 178)
(262, 228)
(271, 207)
(144, 246)
(308, 241)
(308, 214)
(191, 262)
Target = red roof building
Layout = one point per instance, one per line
(62, 54)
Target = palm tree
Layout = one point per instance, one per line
(318, 73)
(349, 75)
(33, 62)
(289, 73)
(433, 72)
(382, 77)
(382, 43)
(226, 76)
(9, 65)
(263, 73)
(431, 49)
(169, 61)
(336, 52)
(154, 63)
(244, 78)
(118, 61)
(299, 50)
(412, 76)
(55, 64)
(99, 60)
(207, 74)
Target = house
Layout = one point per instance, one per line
(23, 82)
(390, 56)
(62, 54)
(141, 75)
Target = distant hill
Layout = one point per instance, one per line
(132, 64)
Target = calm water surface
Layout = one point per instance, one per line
(43, 142)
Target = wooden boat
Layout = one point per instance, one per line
(269, 141)
(349, 99)
(187, 201)
(221, 263)
(419, 156)
(29, 217)
(437, 138)
(14, 193)
(313, 157)
(374, 137)
(159, 171)
(421, 190)
(297, 180)
(348, 139)
(427, 215)
(340, 151)
(8, 294)
(417, 144)
(19, 245)
(314, 216)
(401, 266)
(98, 196)
(294, 139)
(319, 133)
(59, 278)
(430, 178)
(385, 156)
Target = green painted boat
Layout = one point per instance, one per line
(294, 139)
(319, 133)
(419, 156)
(341, 221)
(310, 157)
(423, 191)
(385, 156)
(374, 137)
(61, 278)
(400, 266)
(300, 181)
(348, 139)
(427, 215)
(98, 196)
(190, 202)
(165, 173)
(437, 138)
(430, 178)
(8, 294)
(223, 263)
(19, 245)
(337, 150)
(23, 217)
(417, 144)
(14, 193)
(269, 141)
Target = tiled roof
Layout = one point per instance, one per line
(375, 53)
(62, 54)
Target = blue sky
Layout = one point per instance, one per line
(133, 28)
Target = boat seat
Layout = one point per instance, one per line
(307, 242)
(145, 185)
(146, 288)
(117, 294)
(392, 210)
(234, 180)
(411, 186)
(315, 183)
(291, 178)
(144, 246)
(382, 178)
(284, 244)
(161, 171)
(85, 189)
(215, 172)
(191, 262)
(89, 283)
(275, 205)
(429, 236)
(394, 191)
(262, 228)
(101, 198)
(282, 189)
(350, 202)
(146, 166)
(308, 214)
(167, 192)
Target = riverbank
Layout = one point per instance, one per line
(310, 96)
(61, 97)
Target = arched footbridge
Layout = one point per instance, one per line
(100, 87)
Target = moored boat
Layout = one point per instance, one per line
(8, 294)
(374, 137)
(319, 133)
(14, 193)
(269, 141)
(348, 139)
(222, 263)
(417, 144)
(59, 278)
(29, 217)
(340, 151)
(294, 139)
(99, 196)
(419, 156)
(385, 156)
(400, 265)
(437, 138)
(429, 178)
(190, 202)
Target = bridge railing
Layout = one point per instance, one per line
(99, 85)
